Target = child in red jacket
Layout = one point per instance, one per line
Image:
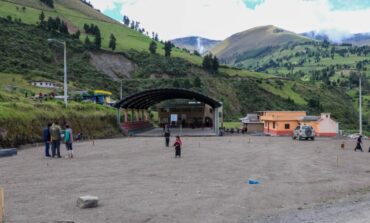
(177, 145)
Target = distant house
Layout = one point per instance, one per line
(323, 125)
(44, 84)
(282, 123)
(252, 123)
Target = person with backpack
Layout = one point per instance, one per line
(68, 139)
(55, 135)
(177, 145)
(46, 137)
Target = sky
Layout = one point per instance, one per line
(219, 19)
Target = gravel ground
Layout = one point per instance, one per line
(139, 180)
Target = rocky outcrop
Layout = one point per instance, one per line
(114, 65)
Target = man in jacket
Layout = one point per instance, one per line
(55, 132)
(46, 136)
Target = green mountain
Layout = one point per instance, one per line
(255, 42)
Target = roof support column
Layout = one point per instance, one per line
(216, 120)
(146, 115)
(126, 115)
(118, 116)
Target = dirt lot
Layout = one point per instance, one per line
(139, 180)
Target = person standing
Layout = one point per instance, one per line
(55, 132)
(46, 136)
(167, 135)
(359, 143)
(177, 145)
(68, 139)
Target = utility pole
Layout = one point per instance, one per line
(360, 104)
(65, 69)
(121, 90)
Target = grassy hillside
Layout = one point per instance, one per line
(22, 117)
(77, 14)
(254, 41)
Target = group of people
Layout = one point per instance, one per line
(53, 135)
(359, 144)
(177, 144)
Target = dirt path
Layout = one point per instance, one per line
(139, 180)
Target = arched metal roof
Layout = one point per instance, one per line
(148, 98)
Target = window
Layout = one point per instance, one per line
(287, 126)
(273, 125)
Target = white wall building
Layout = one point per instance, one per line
(44, 84)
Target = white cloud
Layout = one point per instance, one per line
(218, 19)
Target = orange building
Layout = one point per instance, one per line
(281, 123)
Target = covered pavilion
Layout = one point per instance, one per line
(138, 104)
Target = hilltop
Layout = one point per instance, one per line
(255, 42)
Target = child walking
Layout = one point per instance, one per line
(177, 145)
(68, 139)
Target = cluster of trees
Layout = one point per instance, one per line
(210, 63)
(88, 3)
(94, 30)
(167, 48)
(23, 8)
(91, 29)
(54, 24)
(49, 3)
(135, 25)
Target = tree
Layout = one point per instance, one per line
(126, 20)
(49, 3)
(196, 53)
(42, 19)
(167, 48)
(97, 40)
(207, 62)
(176, 83)
(77, 34)
(215, 64)
(88, 43)
(197, 82)
(112, 42)
(63, 28)
(210, 63)
(153, 47)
